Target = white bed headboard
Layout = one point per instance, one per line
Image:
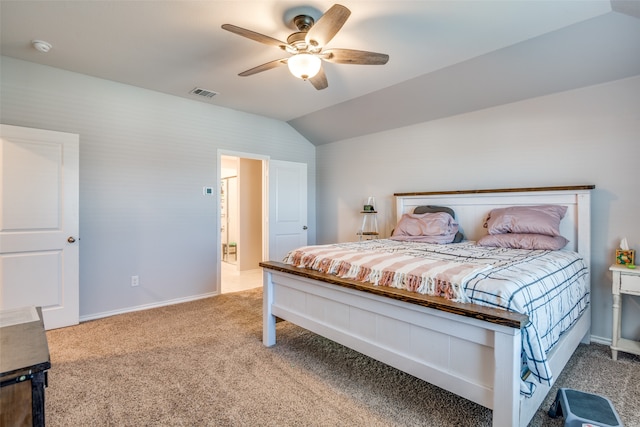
(472, 206)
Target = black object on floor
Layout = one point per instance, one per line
(580, 408)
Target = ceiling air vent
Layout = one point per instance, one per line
(203, 92)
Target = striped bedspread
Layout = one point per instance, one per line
(551, 287)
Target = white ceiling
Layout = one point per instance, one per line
(446, 57)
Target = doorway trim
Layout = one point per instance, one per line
(265, 205)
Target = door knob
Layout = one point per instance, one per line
(304, 227)
(71, 239)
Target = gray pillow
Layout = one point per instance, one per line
(433, 209)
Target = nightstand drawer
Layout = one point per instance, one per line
(630, 284)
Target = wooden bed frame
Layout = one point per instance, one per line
(470, 350)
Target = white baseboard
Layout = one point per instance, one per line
(145, 307)
(600, 340)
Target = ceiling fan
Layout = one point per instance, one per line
(307, 47)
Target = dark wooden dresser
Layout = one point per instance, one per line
(24, 361)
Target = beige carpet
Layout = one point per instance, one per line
(203, 364)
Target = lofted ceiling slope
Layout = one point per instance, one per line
(446, 57)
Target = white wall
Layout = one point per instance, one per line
(585, 136)
(144, 158)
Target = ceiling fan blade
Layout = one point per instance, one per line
(327, 26)
(264, 67)
(255, 36)
(351, 56)
(319, 81)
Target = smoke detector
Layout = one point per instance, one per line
(41, 46)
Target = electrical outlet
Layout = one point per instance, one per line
(135, 280)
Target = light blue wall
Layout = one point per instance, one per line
(144, 158)
(584, 136)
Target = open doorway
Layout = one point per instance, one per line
(242, 184)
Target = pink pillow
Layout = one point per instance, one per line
(542, 219)
(437, 227)
(524, 241)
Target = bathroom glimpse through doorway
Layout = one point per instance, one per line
(241, 222)
(229, 219)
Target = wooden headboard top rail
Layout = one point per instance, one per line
(501, 190)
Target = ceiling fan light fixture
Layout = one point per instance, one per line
(306, 46)
(304, 65)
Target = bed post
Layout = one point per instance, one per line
(584, 239)
(506, 386)
(583, 201)
(268, 319)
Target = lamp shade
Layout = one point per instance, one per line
(304, 65)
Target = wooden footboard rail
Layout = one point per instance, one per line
(500, 317)
(471, 351)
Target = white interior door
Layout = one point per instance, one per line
(39, 223)
(287, 207)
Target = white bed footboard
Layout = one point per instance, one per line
(406, 336)
(457, 353)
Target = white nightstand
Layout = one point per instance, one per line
(625, 281)
(369, 229)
